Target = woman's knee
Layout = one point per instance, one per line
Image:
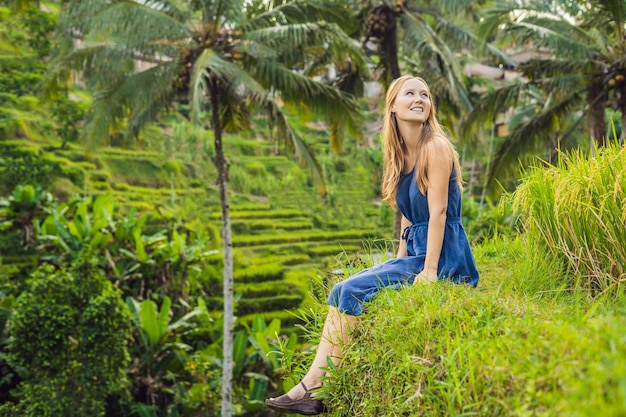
(335, 294)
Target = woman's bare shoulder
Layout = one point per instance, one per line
(439, 146)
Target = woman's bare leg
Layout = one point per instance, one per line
(336, 333)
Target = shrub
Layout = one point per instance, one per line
(25, 166)
(100, 176)
(69, 342)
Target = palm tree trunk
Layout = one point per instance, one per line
(596, 114)
(391, 50)
(227, 247)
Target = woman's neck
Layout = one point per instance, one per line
(411, 133)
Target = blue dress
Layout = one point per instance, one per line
(456, 261)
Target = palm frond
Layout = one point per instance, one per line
(529, 137)
(458, 39)
(455, 7)
(220, 11)
(418, 34)
(545, 24)
(556, 35)
(493, 20)
(614, 16)
(486, 110)
(210, 62)
(323, 99)
(295, 143)
(137, 96)
(294, 39)
(104, 64)
(300, 11)
(295, 42)
(77, 18)
(135, 24)
(536, 69)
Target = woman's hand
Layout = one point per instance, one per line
(425, 278)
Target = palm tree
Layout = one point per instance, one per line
(579, 66)
(239, 56)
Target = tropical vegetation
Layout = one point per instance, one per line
(573, 82)
(142, 142)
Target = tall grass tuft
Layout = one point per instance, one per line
(575, 211)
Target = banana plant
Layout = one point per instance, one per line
(256, 358)
(265, 343)
(22, 208)
(80, 224)
(160, 349)
(139, 264)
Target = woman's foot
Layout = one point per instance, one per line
(299, 400)
(300, 390)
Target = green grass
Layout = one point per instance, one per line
(507, 348)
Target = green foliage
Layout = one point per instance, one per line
(69, 338)
(488, 220)
(256, 371)
(159, 350)
(68, 115)
(272, 303)
(23, 164)
(24, 43)
(574, 212)
(303, 236)
(19, 76)
(19, 212)
(140, 264)
(261, 214)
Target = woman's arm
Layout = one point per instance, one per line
(402, 246)
(438, 171)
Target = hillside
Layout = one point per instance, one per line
(285, 232)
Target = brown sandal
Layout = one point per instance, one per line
(307, 405)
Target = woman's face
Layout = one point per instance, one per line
(412, 104)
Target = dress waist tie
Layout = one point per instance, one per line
(410, 230)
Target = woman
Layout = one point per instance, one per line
(421, 178)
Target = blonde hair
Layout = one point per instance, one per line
(394, 146)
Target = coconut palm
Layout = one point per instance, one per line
(579, 65)
(226, 59)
